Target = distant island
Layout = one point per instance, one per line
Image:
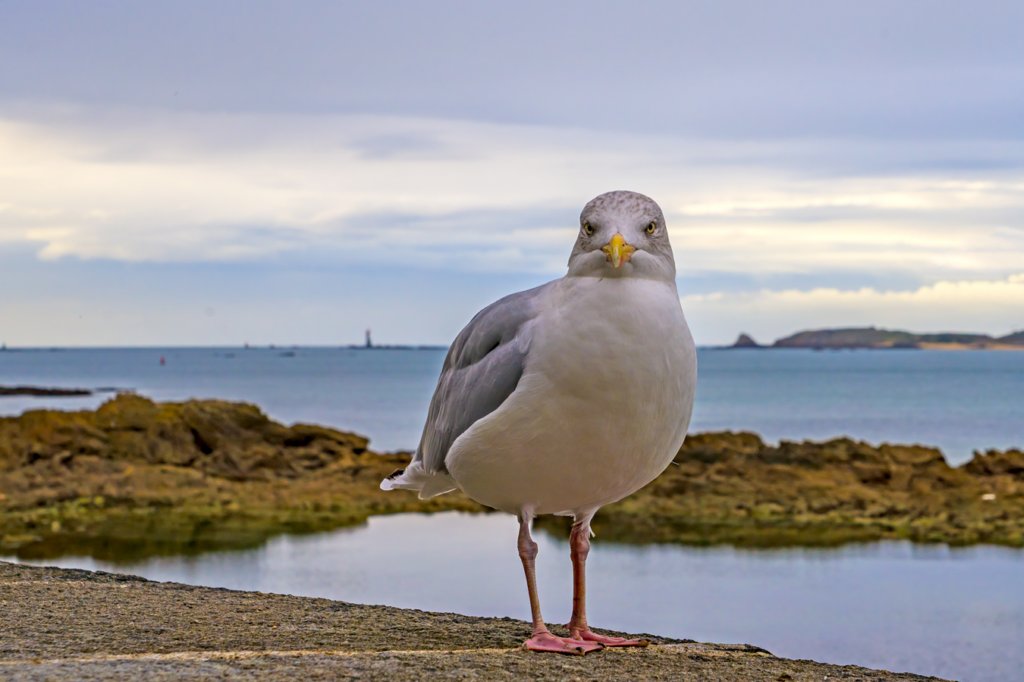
(872, 337)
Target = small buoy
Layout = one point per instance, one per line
(163, 361)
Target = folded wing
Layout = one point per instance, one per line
(482, 369)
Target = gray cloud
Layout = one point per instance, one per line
(489, 221)
(893, 70)
(402, 145)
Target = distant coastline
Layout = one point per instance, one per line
(368, 344)
(43, 391)
(886, 339)
(364, 347)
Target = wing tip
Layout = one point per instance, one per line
(415, 478)
(390, 483)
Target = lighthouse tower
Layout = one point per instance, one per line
(369, 341)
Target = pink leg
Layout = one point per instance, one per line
(542, 639)
(579, 548)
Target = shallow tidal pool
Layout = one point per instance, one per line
(955, 613)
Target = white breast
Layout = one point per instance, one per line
(601, 409)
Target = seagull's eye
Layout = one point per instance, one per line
(588, 229)
(651, 227)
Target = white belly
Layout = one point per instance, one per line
(602, 407)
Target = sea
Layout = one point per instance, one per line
(952, 612)
(958, 401)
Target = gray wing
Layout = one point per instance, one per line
(482, 369)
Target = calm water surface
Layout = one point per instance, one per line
(955, 613)
(959, 401)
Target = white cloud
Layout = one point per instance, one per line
(161, 186)
(987, 306)
(803, 150)
(455, 195)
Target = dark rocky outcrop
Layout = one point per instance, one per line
(40, 391)
(995, 463)
(733, 487)
(745, 341)
(234, 441)
(137, 478)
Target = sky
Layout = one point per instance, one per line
(294, 173)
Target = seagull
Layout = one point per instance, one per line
(567, 397)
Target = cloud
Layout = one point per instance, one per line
(163, 186)
(731, 69)
(805, 151)
(987, 306)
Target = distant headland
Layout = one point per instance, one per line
(872, 337)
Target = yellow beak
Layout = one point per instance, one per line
(618, 251)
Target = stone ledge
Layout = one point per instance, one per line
(78, 625)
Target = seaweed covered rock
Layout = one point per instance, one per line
(735, 488)
(998, 463)
(136, 478)
(230, 440)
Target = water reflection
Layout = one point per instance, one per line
(955, 612)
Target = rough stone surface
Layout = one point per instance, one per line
(77, 625)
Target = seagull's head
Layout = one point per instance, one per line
(622, 234)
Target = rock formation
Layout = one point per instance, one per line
(137, 478)
(745, 341)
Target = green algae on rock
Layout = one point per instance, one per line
(137, 478)
(733, 488)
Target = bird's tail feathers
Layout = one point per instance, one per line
(415, 477)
